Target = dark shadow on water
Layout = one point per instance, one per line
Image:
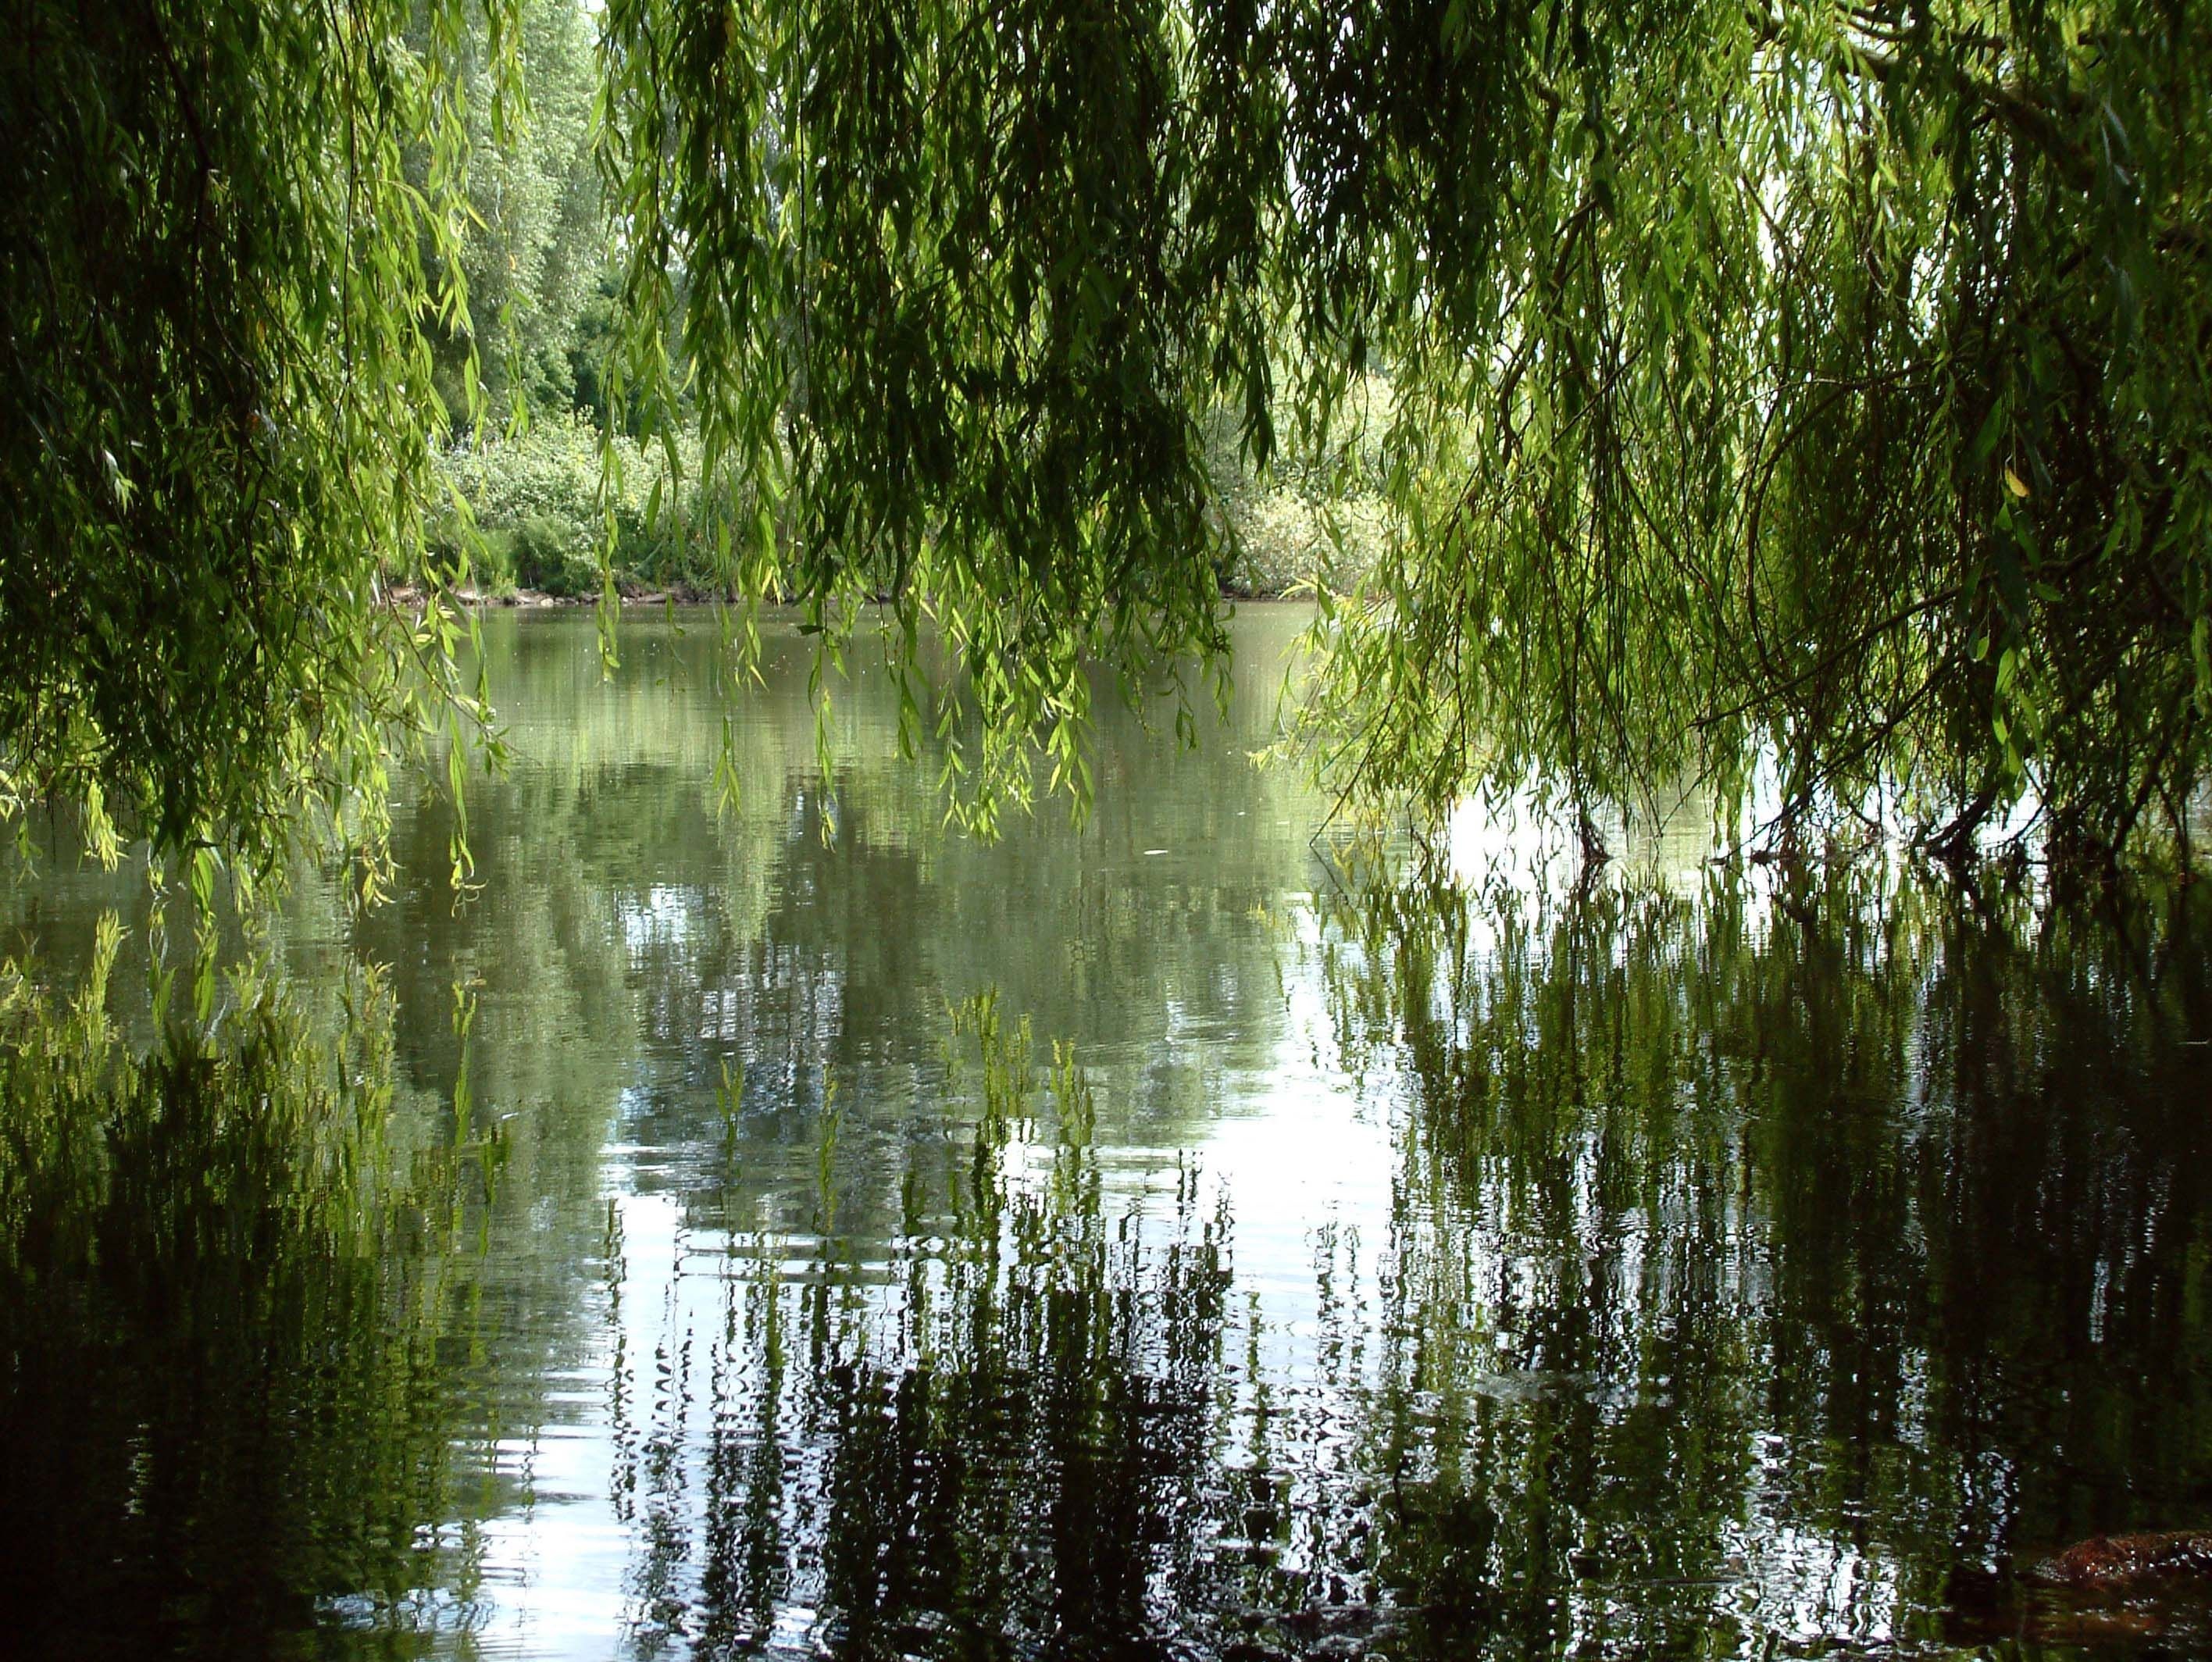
(233, 1317)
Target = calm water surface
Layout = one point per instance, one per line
(799, 1229)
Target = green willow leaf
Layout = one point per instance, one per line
(216, 463)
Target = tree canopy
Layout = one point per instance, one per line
(534, 241)
(220, 392)
(1808, 392)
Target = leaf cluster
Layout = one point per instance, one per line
(221, 394)
(1812, 393)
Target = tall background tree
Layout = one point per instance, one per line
(534, 243)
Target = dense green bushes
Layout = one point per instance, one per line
(537, 497)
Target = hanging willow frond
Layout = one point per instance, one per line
(1822, 386)
(219, 407)
(1813, 389)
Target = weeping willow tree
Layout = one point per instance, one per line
(1822, 391)
(218, 381)
(1811, 395)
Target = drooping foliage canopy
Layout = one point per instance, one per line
(217, 378)
(1810, 392)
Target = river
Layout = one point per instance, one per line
(791, 1226)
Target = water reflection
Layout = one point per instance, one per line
(802, 1230)
(993, 1431)
(1857, 1237)
(236, 1323)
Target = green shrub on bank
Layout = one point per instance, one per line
(554, 556)
(1287, 541)
(493, 571)
(552, 468)
(1314, 514)
(537, 499)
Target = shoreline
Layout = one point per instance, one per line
(687, 594)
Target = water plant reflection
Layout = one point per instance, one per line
(233, 1315)
(1842, 1236)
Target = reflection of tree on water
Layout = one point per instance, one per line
(233, 1313)
(1731, 1265)
(633, 933)
(1750, 1271)
(997, 1432)
(627, 944)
